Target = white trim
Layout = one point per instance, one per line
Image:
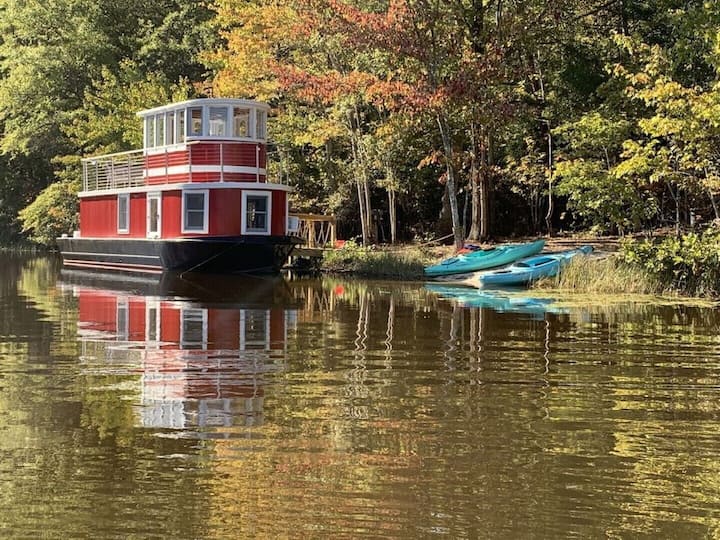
(265, 186)
(205, 102)
(153, 195)
(160, 150)
(243, 213)
(125, 196)
(206, 211)
(185, 169)
(287, 215)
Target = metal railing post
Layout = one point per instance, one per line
(222, 164)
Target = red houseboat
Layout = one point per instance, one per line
(195, 198)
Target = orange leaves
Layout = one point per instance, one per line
(333, 86)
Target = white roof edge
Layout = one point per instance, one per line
(254, 186)
(204, 101)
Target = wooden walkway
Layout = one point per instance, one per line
(319, 234)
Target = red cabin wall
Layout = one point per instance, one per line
(138, 216)
(171, 214)
(279, 216)
(98, 216)
(225, 209)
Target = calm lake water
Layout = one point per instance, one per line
(235, 408)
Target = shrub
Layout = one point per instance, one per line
(689, 264)
(52, 213)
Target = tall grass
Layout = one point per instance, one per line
(403, 263)
(608, 275)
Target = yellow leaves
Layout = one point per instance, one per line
(320, 131)
(256, 35)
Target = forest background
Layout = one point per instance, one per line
(406, 119)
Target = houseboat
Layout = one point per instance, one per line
(195, 198)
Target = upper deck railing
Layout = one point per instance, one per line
(130, 169)
(114, 171)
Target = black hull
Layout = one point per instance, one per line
(220, 255)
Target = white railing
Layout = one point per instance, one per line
(114, 171)
(318, 231)
(130, 169)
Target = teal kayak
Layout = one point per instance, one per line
(482, 259)
(527, 270)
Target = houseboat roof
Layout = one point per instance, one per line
(200, 102)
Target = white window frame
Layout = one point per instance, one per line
(260, 132)
(153, 195)
(206, 210)
(188, 121)
(126, 198)
(243, 216)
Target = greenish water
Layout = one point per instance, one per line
(233, 408)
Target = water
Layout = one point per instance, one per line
(236, 408)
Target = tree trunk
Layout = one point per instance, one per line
(393, 215)
(484, 185)
(451, 183)
(551, 206)
(474, 185)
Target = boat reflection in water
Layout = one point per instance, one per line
(496, 299)
(202, 344)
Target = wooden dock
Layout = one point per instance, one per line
(319, 233)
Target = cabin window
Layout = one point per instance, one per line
(195, 211)
(123, 215)
(261, 125)
(241, 121)
(256, 212)
(160, 130)
(180, 121)
(195, 121)
(171, 128)
(218, 121)
(154, 215)
(150, 132)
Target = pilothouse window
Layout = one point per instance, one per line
(218, 121)
(195, 121)
(241, 122)
(261, 124)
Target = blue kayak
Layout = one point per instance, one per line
(528, 269)
(482, 259)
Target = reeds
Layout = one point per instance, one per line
(404, 263)
(601, 275)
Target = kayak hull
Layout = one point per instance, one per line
(483, 259)
(528, 269)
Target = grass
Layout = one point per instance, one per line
(405, 262)
(607, 275)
